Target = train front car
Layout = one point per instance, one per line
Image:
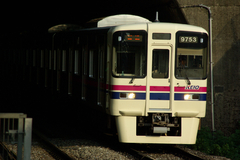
(158, 82)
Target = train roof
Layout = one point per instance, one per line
(159, 26)
(63, 27)
(101, 23)
(116, 20)
(124, 22)
(121, 19)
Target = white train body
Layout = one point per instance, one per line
(151, 77)
(157, 88)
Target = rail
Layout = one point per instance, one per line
(53, 150)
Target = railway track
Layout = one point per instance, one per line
(148, 152)
(134, 151)
(139, 155)
(143, 152)
(54, 151)
(5, 153)
(185, 154)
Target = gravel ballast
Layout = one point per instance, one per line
(89, 149)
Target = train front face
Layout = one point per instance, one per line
(159, 82)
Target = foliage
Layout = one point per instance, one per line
(217, 144)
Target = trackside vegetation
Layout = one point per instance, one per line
(218, 144)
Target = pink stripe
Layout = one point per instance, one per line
(159, 88)
(182, 89)
(128, 88)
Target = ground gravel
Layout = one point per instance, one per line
(88, 149)
(37, 152)
(202, 155)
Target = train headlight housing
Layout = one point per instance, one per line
(131, 95)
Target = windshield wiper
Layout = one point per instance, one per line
(180, 71)
(188, 81)
(131, 81)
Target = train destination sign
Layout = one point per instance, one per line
(188, 39)
(133, 38)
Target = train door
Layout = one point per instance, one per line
(84, 70)
(70, 70)
(158, 83)
(101, 77)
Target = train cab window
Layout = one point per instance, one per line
(129, 54)
(160, 63)
(191, 55)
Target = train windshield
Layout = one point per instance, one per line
(129, 54)
(191, 56)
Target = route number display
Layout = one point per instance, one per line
(188, 39)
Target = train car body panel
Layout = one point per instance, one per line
(173, 90)
(127, 132)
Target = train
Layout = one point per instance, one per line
(150, 77)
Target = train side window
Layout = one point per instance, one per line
(42, 58)
(55, 60)
(50, 59)
(64, 60)
(46, 59)
(160, 63)
(101, 57)
(84, 59)
(84, 71)
(76, 62)
(34, 58)
(91, 56)
(27, 57)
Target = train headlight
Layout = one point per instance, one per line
(187, 97)
(127, 95)
(131, 95)
(192, 97)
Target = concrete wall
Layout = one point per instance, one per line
(226, 58)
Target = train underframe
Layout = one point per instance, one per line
(159, 124)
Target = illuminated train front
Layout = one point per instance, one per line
(158, 82)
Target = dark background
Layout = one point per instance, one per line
(18, 18)
(25, 26)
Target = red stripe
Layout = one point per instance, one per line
(182, 89)
(154, 88)
(128, 88)
(159, 88)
